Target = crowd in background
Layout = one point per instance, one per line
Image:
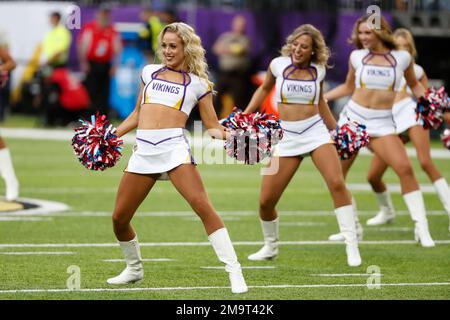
(58, 96)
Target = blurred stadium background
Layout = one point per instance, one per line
(36, 248)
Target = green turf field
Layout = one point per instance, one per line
(171, 231)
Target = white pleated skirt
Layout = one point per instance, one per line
(378, 123)
(302, 137)
(404, 113)
(159, 151)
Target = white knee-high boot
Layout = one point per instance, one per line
(223, 247)
(134, 271)
(386, 213)
(269, 251)
(443, 192)
(8, 174)
(358, 226)
(416, 206)
(347, 226)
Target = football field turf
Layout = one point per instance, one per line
(37, 250)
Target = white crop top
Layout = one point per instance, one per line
(296, 91)
(381, 77)
(181, 96)
(419, 72)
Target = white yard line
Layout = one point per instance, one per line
(280, 286)
(196, 142)
(242, 213)
(302, 224)
(346, 274)
(144, 260)
(199, 244)
(243, 267)
(20, 253)
(356, 187)
(3, 219)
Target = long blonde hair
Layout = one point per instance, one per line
(407, 35)
(320, 49)
(384, 33)
(195, 61)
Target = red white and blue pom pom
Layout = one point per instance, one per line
(430, 109)
(445, 137)
(252, 136)
(349, 138)
(96, 145)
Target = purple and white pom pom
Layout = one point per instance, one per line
(96, 145)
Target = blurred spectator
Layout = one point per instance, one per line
(232, 49)
(149, 35)
(168, 16)
(56, 43)
(401, 5)
(99, 47)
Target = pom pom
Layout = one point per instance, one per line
(96, 144)
(349, 138)
(445, 137)
(430, 108)
(252, 136)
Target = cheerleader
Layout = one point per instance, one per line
(374, 77)
(409, 129)
(7, 64)
(298, 76)
(169, 92)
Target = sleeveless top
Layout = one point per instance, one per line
(296, 91)
(381, 77)
(181, 96)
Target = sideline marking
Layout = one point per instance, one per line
(280, 286)
(198, 244)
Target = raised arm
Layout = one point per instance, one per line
(209, 118)
(261, 93)
(132, 121)
(345, 89)
(324, 111)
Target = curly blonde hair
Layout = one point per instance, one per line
(407, 35)
(195, 61)
(384, 33)
(320, 49)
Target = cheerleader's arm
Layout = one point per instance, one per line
(325, 112)
(261, 93)
(416, 87)
(209, 118)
